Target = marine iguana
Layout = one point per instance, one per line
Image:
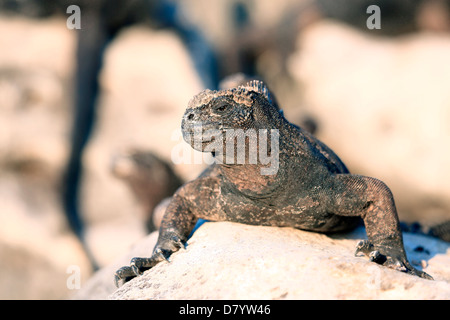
(150, 179)
(311, 189)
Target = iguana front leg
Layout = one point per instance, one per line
(371, 199)
(177, 224)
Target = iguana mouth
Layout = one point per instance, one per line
(196, 126)
(205, 130)
(201, 134)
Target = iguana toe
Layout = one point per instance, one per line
(123, 275)
(364, 246)
(388, 258)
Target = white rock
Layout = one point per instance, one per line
(226, 260)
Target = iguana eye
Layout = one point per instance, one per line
(221, 106)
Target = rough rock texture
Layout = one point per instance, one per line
(235, 261)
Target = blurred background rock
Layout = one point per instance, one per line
(379, 98)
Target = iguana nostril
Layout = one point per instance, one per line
(190, 116)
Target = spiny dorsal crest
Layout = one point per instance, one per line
(241, 94)
(260, 87)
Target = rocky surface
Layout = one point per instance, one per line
(233, 261)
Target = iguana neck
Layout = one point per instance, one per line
(255, 180)
(248, 180)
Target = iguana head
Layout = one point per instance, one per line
(212, 112)
(236, 125)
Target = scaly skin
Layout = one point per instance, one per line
(311, 190)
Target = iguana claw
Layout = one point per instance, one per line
(389, 258)
(169, 244)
